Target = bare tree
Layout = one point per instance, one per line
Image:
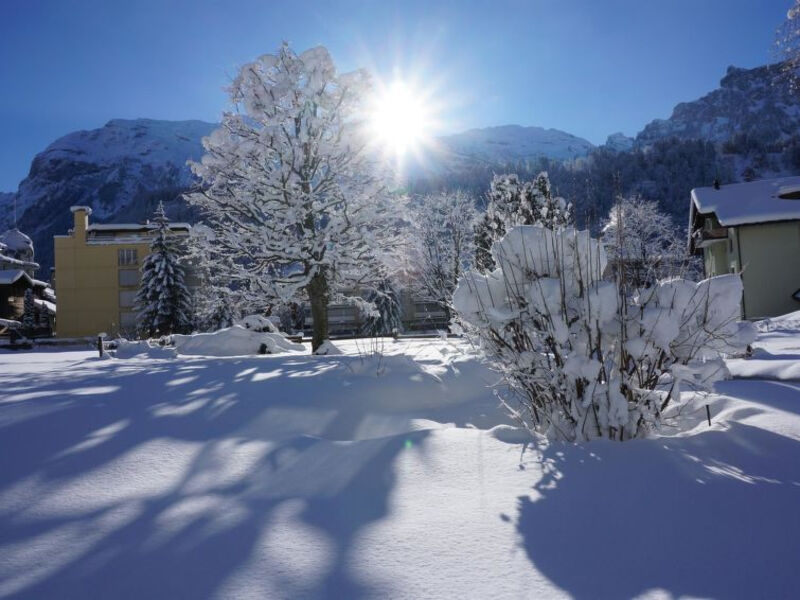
(441, 245)
(643, 243)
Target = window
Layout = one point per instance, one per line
(128, 277)
(127, 298)
(127, 256)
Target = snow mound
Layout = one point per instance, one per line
(787, 322)
(258, 323)
(327, 349)
(233, 341)
(140, 349)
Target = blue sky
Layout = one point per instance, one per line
(589, 67)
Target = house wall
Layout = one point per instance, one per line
(769, 256)
(715, 257)
(88, 285)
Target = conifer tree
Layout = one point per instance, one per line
(387, 320)
(513, 202)
(29, 313)
(163, 301)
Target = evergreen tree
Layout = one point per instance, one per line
(388, 319)
(163, 300)
(514, 202)
(483, 244)
(29, 313)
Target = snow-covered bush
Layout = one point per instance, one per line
(233, 341)
(258, 323)
(584, 360)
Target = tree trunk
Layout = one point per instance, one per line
(318, 296)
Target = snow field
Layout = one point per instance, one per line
(367, 475)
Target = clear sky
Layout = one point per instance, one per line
(589, 67)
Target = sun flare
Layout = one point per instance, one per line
(400, 120)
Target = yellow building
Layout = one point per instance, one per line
(97, 275)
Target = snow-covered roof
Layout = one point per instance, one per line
(753, 202)
(133, 226)
(15, 261)
(10, 276)
(16, 241)
(45, 305)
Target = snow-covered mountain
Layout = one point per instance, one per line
(756, 102)
(619, 142)
(6, 207)
(124, 168)
(121, 170)
(511, 143)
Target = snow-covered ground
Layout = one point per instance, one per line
(393, 476)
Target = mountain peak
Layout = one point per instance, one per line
(509, 143)
(755, 101)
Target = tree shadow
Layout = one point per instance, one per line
(216, 449)
(711, 515)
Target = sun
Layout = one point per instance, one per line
(401, 119)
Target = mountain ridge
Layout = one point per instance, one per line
(125, 167)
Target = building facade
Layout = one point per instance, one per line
(752, 229)
(97, 274)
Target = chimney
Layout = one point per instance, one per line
(81, 216)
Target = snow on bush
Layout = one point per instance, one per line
(233, 341)
(584, 360)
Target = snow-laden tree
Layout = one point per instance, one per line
(441, 244)
(163, 300)
(290, 186)
(512, 202)
(787, 42)
(28, 313)
(643, 244)
(583, 359)
(386, 317)
(215, 305)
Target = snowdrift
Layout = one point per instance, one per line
(234, 341)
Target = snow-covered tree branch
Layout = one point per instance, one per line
(643, 243)
(441, 246)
